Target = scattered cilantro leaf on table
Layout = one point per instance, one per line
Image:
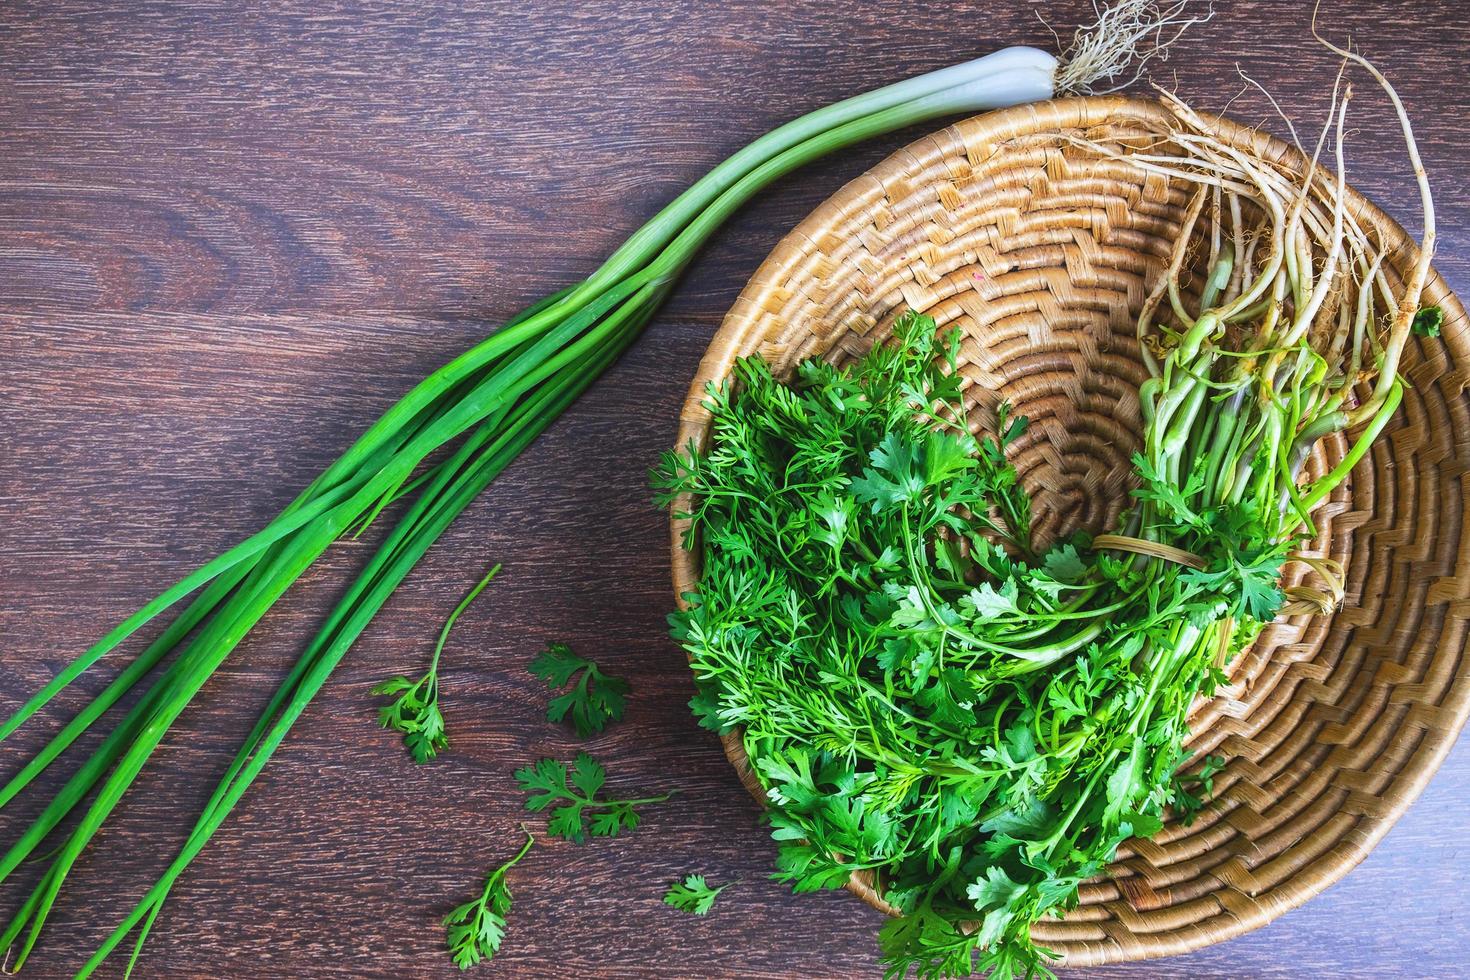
(573, 796)
(594, 698)
(475, 929)
(693, 895)
(414, 712)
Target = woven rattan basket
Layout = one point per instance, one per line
(1042, 253)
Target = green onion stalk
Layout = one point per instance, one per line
(438, 448)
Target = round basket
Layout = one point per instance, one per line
(1042, 253)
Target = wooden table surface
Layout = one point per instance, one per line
(231, 234)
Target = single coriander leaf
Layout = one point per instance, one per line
(592, 700)
(414, 712)
(557, 664)
(693, 895)
(1138, 824)
(1015, 430)
(422, 748)
(1065, 565)
(547, 776)
(588, 775)
(473, 931)
(1126, 783)
(994, 890)
(706, 707)
(1261, 597)
(393, 685)
(568, 822)
(987, 603)
(611, 822)
(1428, 321)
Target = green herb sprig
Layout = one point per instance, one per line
(578, 807)
(415, 711)
(475, 929)
(693, 895)
(594, 698)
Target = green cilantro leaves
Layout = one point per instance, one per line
(572, 794)
(594, 698)
(474, 930)
(1428, 321)
(693, 895)
(414, 712)
(928, 697)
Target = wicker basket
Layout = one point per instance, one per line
(1042, 253)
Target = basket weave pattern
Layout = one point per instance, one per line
(1041, 253)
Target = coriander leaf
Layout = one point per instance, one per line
(993, 926)
(693, 895)
(1022, 822)
(1428, 321)
(614, 820)
(902, 467)
(414, 712)
(594, 698)
(789, 778)
(587, 774)
(394, 685)
(580, 807)
(912, 610)
(994, 889)
(475, 929)
(807, 869)
(1171, 499)
(1010, 428)
(706, 707)
(929, 945)
(1137, 824)
(946, 455)
(547, 776)
(1260, 596)
(568, 823)
(987, 603)
(1065, 565)
(1187, 804)
(1125, 784)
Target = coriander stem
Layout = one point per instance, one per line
(449, 623)
(499, 873)
(608, 804)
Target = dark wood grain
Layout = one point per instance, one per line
(232, 234)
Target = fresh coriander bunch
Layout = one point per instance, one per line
(870, 615)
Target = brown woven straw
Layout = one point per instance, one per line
(1042, 252)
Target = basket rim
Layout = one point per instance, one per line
(741, 321)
